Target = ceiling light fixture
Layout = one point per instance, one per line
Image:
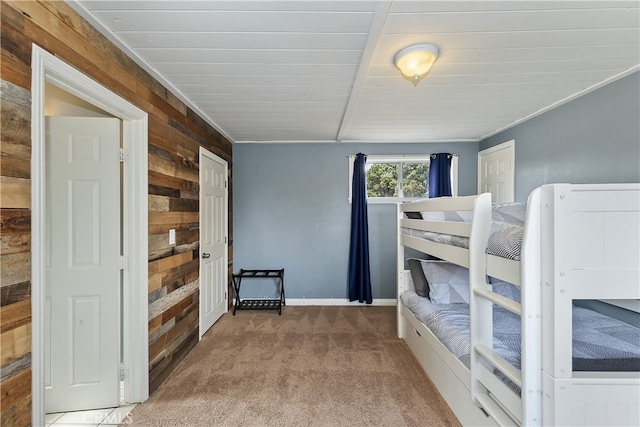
(415, 61)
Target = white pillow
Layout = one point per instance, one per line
(448, 283)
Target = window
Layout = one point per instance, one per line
(396, 178)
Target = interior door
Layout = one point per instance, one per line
(213, 239)
(82, 256)
(496, 173)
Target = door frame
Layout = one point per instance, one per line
(202, 153)
(511, 146)
(48, 68)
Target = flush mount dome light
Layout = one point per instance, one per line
(415, 61)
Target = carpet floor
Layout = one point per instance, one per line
(312, 366)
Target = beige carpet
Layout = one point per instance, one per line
(312, 366)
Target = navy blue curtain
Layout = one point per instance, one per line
(440, 175)
(359, 272)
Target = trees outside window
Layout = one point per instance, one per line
(398, 179)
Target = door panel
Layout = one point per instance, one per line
(82, 276)
(496, 173)
(213, 244)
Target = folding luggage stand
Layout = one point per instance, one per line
(259, 304)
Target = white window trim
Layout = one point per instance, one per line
(390, 158)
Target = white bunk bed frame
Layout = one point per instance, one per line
(579, 242)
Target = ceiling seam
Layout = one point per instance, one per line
(379, 19)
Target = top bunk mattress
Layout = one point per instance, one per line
(507, 228)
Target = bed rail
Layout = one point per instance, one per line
(477, 230)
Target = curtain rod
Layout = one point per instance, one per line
(401, 155)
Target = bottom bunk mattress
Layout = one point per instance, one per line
(600, 343)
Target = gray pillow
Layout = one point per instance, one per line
(417, 275)
(413, 215)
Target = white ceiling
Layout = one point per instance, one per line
(323, 71)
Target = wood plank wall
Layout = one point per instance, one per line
(175, 135)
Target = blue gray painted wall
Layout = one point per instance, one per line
(290, 200)
(592, 139)
(290, 210)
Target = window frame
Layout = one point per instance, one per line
(397, 158)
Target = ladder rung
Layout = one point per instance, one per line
(502, 301)
(496, 360)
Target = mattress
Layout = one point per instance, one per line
(507, 228)
(600, 343)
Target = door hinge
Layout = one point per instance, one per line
(122, 155)
(225, 239)
(124, 262)
(124, 372)
(225, 184)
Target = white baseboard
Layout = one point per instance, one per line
(337, 301)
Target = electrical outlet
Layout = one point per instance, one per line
(172, 236)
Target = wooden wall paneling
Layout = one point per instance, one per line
(15, 315)
(171, 217)
(15, 236)
(188, 340)
(16, 343)
(175, 135)
(15, 403)
(14, 41)
(15, 243)
(161, 180)
(163, 135)
(16, 192)
(171, 168)
(15, 148)
(162, 250)
(158, 229)
(14, 293)
(14, 70)
(15, 268)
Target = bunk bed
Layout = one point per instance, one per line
(576, 242)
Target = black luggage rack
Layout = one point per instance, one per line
(259, 304)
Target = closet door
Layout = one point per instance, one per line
(496, 172)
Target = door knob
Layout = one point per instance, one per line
(205, 255)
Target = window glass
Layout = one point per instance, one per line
(407, 180)
(415, 180)
(382, 179)
(397, 178)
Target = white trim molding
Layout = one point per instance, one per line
(203, 152)
(339, 301)
(46, 68)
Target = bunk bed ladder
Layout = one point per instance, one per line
(488, 391)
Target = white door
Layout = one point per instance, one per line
(213, 239)
(496, 173)
(82, 254)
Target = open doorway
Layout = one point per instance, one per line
(46, 68)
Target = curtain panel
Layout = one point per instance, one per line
(359, 271)
(440, 175)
